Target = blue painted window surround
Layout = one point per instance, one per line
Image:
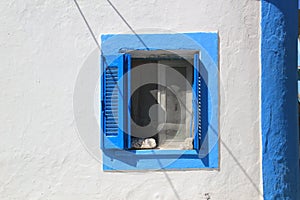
(115, 102)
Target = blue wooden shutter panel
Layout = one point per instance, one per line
(128, 96)
(197, 102)
(113, 104)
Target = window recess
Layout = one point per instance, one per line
(176, 121)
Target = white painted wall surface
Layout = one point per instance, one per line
(43, 46)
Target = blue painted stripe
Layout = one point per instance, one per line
(279, 99)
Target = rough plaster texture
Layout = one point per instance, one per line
(279, 117)
(43, 45)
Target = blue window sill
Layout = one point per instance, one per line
(134, 160)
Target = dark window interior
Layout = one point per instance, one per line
(171, 119)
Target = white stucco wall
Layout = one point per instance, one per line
(43, 46)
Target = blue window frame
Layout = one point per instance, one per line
(116, 66)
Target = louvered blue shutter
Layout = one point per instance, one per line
(113, 102)
(197, 102)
